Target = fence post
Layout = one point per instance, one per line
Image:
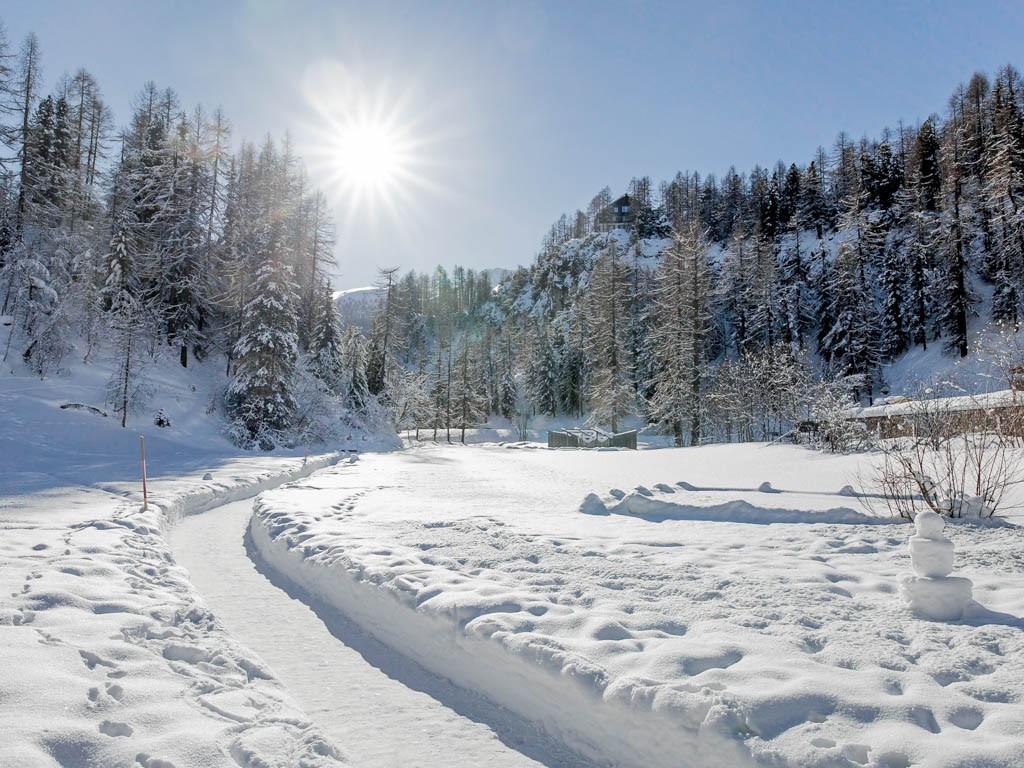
(142, 453)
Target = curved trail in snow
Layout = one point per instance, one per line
(378, 708)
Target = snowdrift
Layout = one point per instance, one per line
(616, 722)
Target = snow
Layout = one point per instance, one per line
(111, 656)
(127, 665)
(930, 591)
(1002, 398)
(662, 636)
(385, 711)
(493, 604)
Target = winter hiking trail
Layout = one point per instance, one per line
(379, 708)
(110, 657)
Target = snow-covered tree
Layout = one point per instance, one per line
(260, 398)
(326, 349)
(129, 326)
(611, 392)
(681, 328)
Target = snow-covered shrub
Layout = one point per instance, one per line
(314, 420)
(836, 431)
(161, 419)
(956, 461)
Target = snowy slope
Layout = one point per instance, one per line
(110, 658)
(712, 606)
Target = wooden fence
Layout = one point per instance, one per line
(591, 438)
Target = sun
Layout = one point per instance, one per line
(369, 156)
(367, 143)
(381, 150)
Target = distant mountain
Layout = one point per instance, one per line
(357, 305)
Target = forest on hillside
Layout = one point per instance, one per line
(726, 309)
(127, 243)
(730, 309)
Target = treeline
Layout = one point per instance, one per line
(160, 237)
(728, 309)
(731, 308)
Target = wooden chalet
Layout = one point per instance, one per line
(621, 214)
(1002, 411)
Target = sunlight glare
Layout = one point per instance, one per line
(369, 156)
(381, 152)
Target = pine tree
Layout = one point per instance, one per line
(260, 398)
(356, 392)
(736, 284)
(852, 339)
(326, 350)
(812, 205)
(928, 182)
(127, 389)
(542, 373)
(1004, 192)
(893, 341)
(919, 250)
(957, 299)
(381, 356)
(469, 401)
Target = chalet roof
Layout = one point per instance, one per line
(905, 407)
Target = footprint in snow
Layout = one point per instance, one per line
(92, 660)
(113, 728)
(152, 762)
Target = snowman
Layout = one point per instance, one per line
(930, 591)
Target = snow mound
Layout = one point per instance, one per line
(657, 506)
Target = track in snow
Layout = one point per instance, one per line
(375, 706)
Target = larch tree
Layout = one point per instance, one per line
(681, 329)
(612, 392)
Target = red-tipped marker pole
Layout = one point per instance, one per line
(142, 452)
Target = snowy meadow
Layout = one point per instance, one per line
(722, 605)
(697, 614)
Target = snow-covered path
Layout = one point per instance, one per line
(369, 702)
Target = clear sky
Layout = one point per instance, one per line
(499, 116)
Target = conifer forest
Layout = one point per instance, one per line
(726, 308)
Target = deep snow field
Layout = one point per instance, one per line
(724, 605)
(668, 607)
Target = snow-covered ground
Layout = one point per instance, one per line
(709, 606)
(675, 607)
(108, 655)
(385, 711)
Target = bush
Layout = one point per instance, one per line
(956, 461)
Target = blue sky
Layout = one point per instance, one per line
(521, 110)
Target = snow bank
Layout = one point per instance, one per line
(663, 641)
(622, 723)
(664, 505)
